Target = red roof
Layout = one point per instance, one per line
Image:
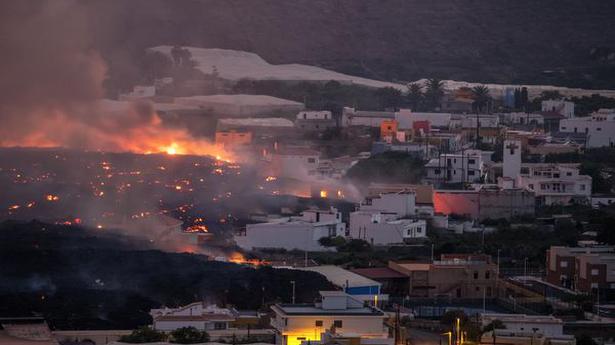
(378, 273)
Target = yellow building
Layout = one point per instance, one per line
(337, 313)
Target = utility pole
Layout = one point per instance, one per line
(432, 247)
(484, 299)
(525, 269)
(293, 283)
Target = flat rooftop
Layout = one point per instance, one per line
(311, 309)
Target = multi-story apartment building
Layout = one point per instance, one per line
(581, 268)
(555, 183)
(599, 128)
(465, 166)
(454, 275)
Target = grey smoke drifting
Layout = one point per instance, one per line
(48, 69)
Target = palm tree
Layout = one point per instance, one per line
(482, 97)
(434, 92)
(415, 96)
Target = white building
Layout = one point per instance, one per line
(559, 106)
(522, 119)
(400, 204)
(337, 312)
(353, 117)
(555, 183)
(466, 166)
(599, 128)
(380, 228)
(139, 92)
(599, 200)
(298, 232)
(484, 121)
(197, 315)
(385, 219)
(294, 162)
(544, 325)
(406, 118)
(315, 120)
(512, 159)
(314, 115)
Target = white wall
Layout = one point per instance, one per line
(599, 133)
(296, 235)
(402, 204)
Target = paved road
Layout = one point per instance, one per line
(421, 337)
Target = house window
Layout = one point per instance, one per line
(477, 289)
(594, 285)
(569, 173)
(487, 275)
(220, 325)
(563, 264)
(595, 271)
(285, 322)
(436, 171)
(471, 161)
(318, 323)
(338, 324)
(555, 175)
(531, 186)
(311, 160)
(475, 275)
(582, 187)
(598, 129)
(471, 173)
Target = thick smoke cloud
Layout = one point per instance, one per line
(52, 83)
(49, 72)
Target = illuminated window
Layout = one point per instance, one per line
(337, 324)
(318, 323)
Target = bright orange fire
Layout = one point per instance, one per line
(124, 131)
(238, 258)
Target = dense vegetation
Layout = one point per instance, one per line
(392, 167)
(81, 278)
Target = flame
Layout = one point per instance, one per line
(141, 135)
(323, 193)
(240, 259)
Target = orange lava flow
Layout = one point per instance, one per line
(125, 132)
(238, 258)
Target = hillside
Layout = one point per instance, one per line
(79, 278)
(562, 42)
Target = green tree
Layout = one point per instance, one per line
(434, 92)
(144, 335)
(585, 339)
(415, 96)
(389, 97)
(332, 241)
(482, 98)
(189, 335)
(495, 324)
